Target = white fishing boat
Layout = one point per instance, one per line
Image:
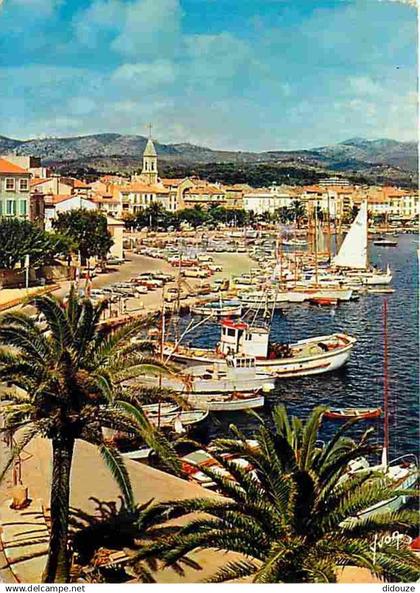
(238, 339)
(339, 293)
(239, 374)
(233, 402)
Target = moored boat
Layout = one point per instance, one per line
(384, 242)
(234, 402)
(311, 356)
(398, 475)
(239, 375)
(218, 309)
(179, 421)
(323, 301)
(350, 413)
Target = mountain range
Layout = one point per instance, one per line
(374, 160)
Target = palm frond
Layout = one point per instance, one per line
(116, 465)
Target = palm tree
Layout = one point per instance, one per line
(297, 212)
(293, 518)
(67, 384)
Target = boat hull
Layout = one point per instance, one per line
(219, 404)
(190, 386)
(348, 415)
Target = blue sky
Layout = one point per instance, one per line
(238, 74)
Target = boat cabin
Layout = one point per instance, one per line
(238, 337)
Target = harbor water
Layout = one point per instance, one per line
(360, 383)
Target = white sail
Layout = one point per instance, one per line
(353, 251)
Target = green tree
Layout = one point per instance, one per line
(19, 238)
(294, 518)
(282, 215)
(65, 384)
(88, 231)
(194, 216)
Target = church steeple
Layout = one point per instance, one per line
(150, 165)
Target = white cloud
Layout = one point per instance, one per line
(137, 28)
(365, 86)
(408, 2)
(144, 75)
(151, 27)
(46, 7)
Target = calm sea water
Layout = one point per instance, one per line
(360, 383)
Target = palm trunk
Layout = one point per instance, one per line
(57, 569)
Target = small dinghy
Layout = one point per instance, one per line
(323, 301)
(382, 242)
(161, 409)
(350, 413)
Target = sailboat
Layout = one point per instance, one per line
(353, 253)
(400, 473)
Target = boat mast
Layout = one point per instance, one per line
(329, 227)
(386, 390)
(316, 241)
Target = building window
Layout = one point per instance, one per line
(10, 184)
(10, 208)
(23, 208)
(23, 185)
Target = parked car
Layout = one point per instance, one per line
(215, 267)
(115, 261)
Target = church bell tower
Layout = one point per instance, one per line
(150, 169)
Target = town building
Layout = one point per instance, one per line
(32, 164)
(14, 190)
(119, 197)
(259, 201)
(56, 204)
(334, 181)
(204, 194)
(235, 195)
(390, 202)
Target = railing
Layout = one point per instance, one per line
(408, 456)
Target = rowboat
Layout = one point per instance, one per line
(180, 421)
(350, 413)
(385, 242)
(234, 402)
(323, 301)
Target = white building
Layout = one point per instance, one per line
(259, 201)
(54, 205)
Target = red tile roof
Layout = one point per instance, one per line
(39, 181)
(174, 182)
(8, 167)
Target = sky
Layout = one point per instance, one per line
(229, 74)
